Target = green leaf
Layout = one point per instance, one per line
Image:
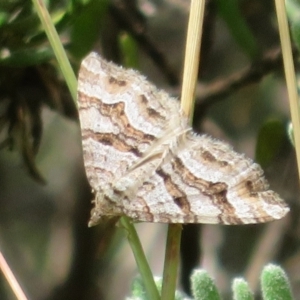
(293, 13)
(138, 289)
(241, 290)
(87, 27)
(3, 18)
(27, 57)
(269, 141)
(203, 287)
(129, 51)
(230, 12)
(275, 284)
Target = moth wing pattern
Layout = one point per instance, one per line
(143, 160)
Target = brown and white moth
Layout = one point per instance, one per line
(143, 160)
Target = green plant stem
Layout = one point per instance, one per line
(57, 47)
(72, 84)
(171, 262)
(140, 258)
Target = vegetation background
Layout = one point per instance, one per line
(44, 194)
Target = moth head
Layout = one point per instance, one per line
(106, 207)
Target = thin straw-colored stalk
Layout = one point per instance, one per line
(289, 70)
(192, 56)
(191, 65)
(11, 279)
(57, 47)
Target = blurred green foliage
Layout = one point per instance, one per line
(293, 12)
(231, 13)
(274, 284)
(270, 140)
(30, 79)
(23, 41)
(241, 290)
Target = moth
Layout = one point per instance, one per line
(143, 160)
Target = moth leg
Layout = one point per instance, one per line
(129, 184)
(145, 167)
(161, 148)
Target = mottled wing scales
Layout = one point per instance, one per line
(120, 116)
(143, 165)
(224, 188)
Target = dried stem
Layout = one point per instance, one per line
(289, 70)
(11, 279)
(192, 55)
(190, 73)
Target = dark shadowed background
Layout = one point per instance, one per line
(44, 194)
